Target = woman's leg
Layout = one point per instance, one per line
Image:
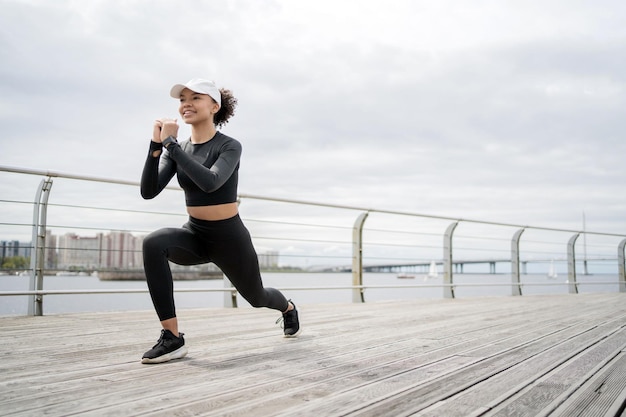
(239, 261)
(236, 257)
(180, 246)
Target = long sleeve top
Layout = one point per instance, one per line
(207, 172)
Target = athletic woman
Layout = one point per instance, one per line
(206, 166)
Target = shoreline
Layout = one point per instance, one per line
(139, 275)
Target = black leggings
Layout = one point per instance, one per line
(226, 243)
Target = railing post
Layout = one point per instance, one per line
(448, 290)
(357, 258)
(230, 297)
(516, 286)
(621, 259)
(571, 264)
(37, 257)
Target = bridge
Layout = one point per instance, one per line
(422, 266)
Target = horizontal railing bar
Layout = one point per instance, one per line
(290, 239)
(365, 287)
(403, 232)
(17, 224)
(309, 203)
(347, 287)
(16, 202)
(326, 226)
(69, 176)
(116, 209)
(109, 291)
(430, 216)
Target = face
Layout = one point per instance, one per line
(196, 108)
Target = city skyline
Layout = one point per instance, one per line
(112, 250)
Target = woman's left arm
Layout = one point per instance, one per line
(210, 178)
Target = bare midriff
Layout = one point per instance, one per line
(217, 212)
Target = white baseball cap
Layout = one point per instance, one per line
(201, 86)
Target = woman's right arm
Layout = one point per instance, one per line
(157, 171)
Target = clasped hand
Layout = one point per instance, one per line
(164, 128)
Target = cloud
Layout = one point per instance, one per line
(512, 112)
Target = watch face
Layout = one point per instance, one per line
(168, 141)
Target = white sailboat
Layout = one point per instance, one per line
(551, 271)
(432, 271)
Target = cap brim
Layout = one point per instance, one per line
(176, 90)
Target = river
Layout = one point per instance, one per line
(496, 286)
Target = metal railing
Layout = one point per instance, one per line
(359, 244)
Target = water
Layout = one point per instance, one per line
(498, 285)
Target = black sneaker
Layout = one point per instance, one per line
(291, 324)
(167, 348)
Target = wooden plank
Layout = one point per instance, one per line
(413, 396)
(603, 394)
(369, 348)
(421, 387)
(533, 387)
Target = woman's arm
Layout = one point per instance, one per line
(157, 171)
(210, 178)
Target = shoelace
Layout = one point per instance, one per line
(285, 319)
(161, 339)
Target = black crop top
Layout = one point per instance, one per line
(207, 172)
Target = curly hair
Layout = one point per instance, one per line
(227, 109)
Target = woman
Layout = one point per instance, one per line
(207, 167)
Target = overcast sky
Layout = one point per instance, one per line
(509, 111)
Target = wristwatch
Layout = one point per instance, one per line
(168, 141)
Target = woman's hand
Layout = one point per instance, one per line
(169, 127)
(156, 131)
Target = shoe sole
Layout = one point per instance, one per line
(296, 334)
(177, 354)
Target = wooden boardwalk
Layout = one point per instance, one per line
(561, 355)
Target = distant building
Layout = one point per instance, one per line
(115, 250)
(121, 250)
(268, 260)
(11, 248)
(50, 259)
(24, 249)
(78, 251)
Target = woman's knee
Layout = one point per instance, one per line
(155, 241)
